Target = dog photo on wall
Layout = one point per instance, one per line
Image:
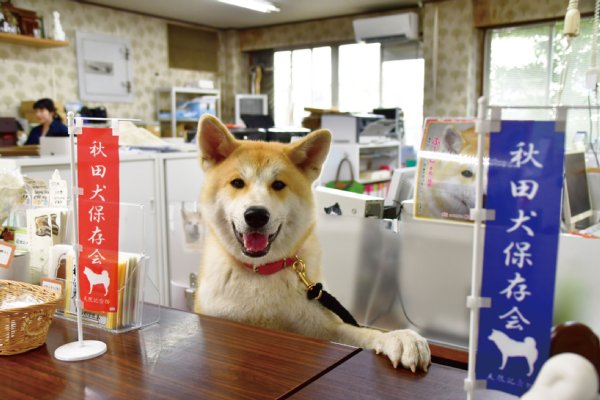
(261, 254)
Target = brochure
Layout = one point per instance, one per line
(447, 168)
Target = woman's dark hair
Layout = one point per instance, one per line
(46, 104)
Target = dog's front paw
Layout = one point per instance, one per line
(404, 347)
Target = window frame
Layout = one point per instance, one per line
(487, 41)
(335, 66)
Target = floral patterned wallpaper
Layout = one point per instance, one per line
(235, 73)
(494, 12)
(29, 73)
(455, 90)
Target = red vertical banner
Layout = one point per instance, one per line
(98, 181)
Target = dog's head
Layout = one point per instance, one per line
(495, 335)
(461, 142)
(455, 173)
(257, 197)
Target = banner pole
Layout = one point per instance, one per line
(74, 194)
(474, 301)
(81, 349)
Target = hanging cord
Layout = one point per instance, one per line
(590, 143)
(595, 142)
(594, 44)
(570, 30)
(563, 76)
(595, 32)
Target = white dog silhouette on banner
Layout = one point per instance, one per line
(97, 279)
(513, 348)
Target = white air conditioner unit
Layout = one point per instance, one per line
(397, 27)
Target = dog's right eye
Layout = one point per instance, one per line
(467, 174)
(237, 183)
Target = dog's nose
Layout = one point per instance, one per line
(256, 217)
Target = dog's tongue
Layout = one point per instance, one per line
(255, 242)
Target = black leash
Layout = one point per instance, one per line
(315, 291)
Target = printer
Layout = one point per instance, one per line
(358, 128)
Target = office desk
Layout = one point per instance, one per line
(186, 356)
(368, 376)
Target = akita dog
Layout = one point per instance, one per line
(258, 206)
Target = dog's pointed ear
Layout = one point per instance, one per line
(215, 142)
(452, 140)
(309, 153)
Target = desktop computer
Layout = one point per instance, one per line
(577, 205)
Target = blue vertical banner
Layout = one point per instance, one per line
(520, 252)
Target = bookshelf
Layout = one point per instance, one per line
(173, 94)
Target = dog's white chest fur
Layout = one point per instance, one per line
(276, 301)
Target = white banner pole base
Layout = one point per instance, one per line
(80, 350)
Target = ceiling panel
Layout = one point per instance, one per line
(223, 16)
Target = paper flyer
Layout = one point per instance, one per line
(446, 170)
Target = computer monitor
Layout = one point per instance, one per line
(250, 104)
(401, 186)
(257, 121)
(577, 205)
(55, 146)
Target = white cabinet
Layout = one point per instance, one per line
(183, 233)
(167, 185)
(104, 68)
(139, 185)
(175, 94)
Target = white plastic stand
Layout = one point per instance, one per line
(81, 349)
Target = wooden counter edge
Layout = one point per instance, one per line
(449, 356)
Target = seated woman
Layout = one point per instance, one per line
(50, 122)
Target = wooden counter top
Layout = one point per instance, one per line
(369, 376)
(185, 356)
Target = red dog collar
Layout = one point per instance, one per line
(271, 268)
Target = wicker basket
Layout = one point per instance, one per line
(24, 329)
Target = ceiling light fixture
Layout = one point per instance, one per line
(256, 5)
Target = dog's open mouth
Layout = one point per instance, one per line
(255, 244)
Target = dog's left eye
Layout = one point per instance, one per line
(237, 183)
(467, 174)
(278, 185)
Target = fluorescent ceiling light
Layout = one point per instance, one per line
(256, 5)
